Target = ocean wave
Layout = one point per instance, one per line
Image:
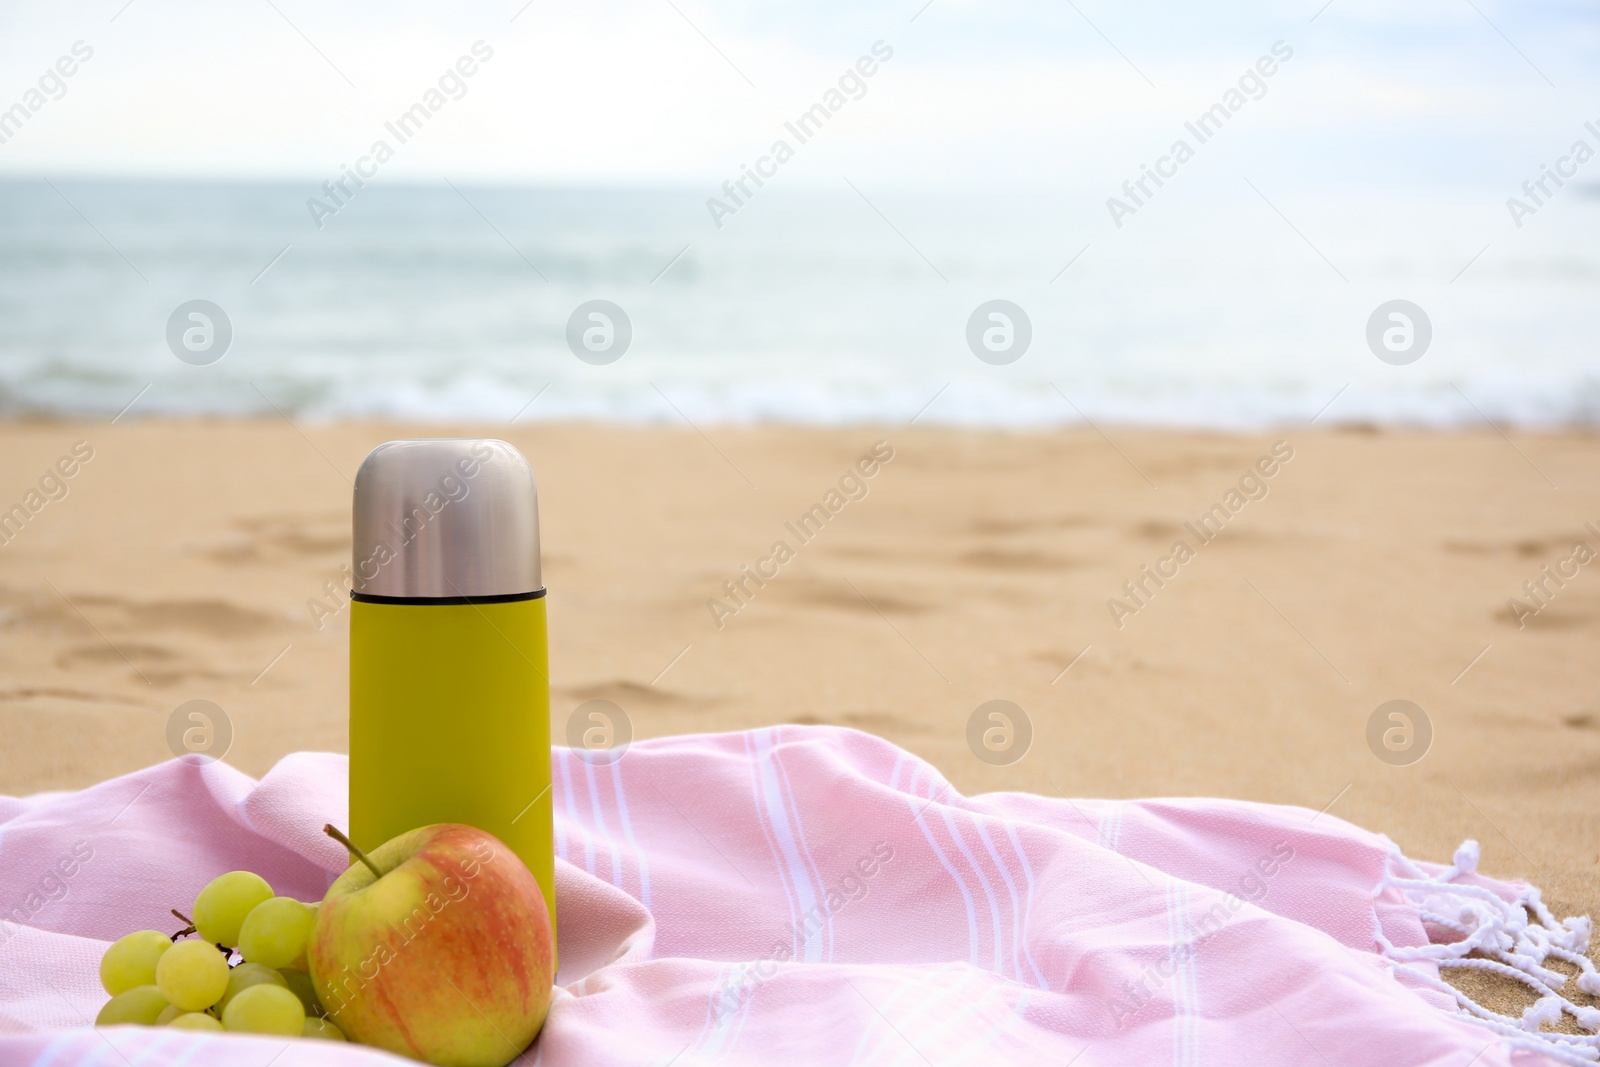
(965, 403)
(445, 305)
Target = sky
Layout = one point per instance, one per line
(1014, 94)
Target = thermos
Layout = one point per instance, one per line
(449, 675)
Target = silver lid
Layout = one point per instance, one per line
(445, 518)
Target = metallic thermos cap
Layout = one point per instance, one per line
(445, 518)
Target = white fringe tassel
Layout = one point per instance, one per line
(1509, 944)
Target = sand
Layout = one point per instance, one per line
(182, 561)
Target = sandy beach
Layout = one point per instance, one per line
(185, 560)
(1188, 408)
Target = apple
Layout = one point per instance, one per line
(437, 946)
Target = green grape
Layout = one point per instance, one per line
(196, 1020)
(246, 975)
(220, 908)
(321, 1028)
(193, 975)
(169, 1013)
(299, 983)
(141, 1005)
(275, 931)
(265, 1009)
(131, 960)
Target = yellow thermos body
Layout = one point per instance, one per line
(449, 676)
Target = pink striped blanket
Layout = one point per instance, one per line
(811, 895)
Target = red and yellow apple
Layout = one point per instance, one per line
(436, 945)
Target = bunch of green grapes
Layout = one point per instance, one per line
(245, 971)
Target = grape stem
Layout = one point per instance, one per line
(189, 927)
(333, 832)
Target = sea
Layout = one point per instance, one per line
(1212, 304)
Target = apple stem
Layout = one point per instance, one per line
(333, 832)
